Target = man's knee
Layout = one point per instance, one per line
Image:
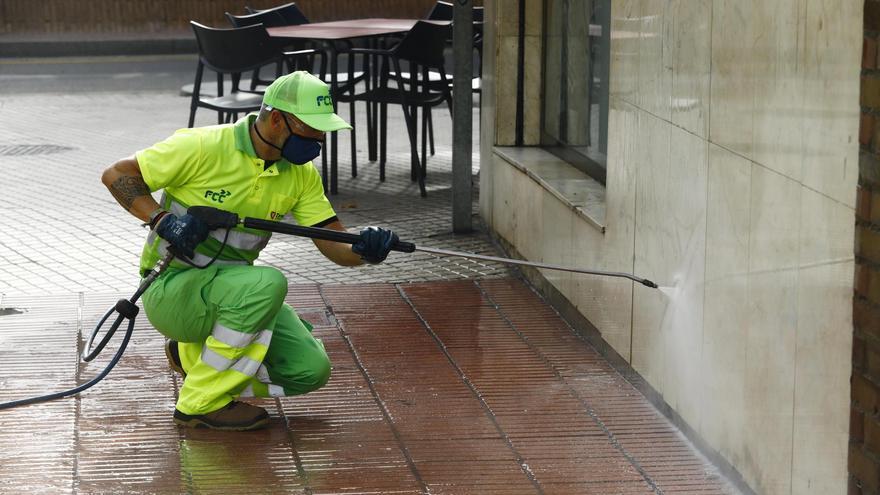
(318, 375)
(308, 378)
(273, 284)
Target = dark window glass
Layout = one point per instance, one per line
(576, 54)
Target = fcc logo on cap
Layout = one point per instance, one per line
(324, 100)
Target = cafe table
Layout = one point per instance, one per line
(341, 33)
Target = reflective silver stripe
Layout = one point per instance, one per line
(246, 366)
(242, 240)
(234, 338)
(276, 390)
(202, 260)
(176, 208)
(248, 391)
(263, 375)
(264, 337)
(214, 360)
(237, 238)
(198, 258)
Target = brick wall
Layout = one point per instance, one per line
(864, 453)
(137, 16)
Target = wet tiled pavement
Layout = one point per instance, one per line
(470, 386)
(449, 376)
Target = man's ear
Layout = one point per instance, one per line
(276, 118)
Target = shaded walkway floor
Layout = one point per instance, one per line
(470, 386)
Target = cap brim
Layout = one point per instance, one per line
(325, 122)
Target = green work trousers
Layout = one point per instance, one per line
(237, 336)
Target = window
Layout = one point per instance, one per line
(577, 41)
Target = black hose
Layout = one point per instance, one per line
(127, 311)
(84, 386)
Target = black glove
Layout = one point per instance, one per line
(183, 233)
(375, 244)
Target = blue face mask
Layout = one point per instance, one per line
(297, 150)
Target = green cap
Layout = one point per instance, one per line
(307, 97)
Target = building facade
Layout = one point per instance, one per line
(711, 147)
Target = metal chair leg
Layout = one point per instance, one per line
(430, 129)
(412, 126)
(425, 119)
(413, 140)
(354, 172)
(383, 136)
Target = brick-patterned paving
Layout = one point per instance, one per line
(864, 453)
(69, 235)
(471, 386)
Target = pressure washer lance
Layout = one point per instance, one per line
(408, 247)
(217, 219)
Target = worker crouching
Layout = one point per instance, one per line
(231, 334)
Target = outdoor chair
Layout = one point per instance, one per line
(444, 11)
(420, 51)
(300, 58)
(289, 14)
(230, 52)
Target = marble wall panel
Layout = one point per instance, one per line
(504, 213)
(733, 75)
(507, 17)
(725, 317)
(534, 17)
(651, 166)
(833, 37)
(772, 325)
(505, 91)
(556, 248)
(620, 184)
(824, 346)
(528, 204)
(604, 302)
(608, 301)
(487, 113)
(625, 35)
(777, 55)
(670, 245)
(655, 58)
(775, 221)
(691, 61)
(532, 91)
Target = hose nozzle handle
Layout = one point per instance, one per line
(214, 217)
(318, 233)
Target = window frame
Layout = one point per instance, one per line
(594, 162)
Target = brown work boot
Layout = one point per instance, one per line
(235, 416)
(173, 356)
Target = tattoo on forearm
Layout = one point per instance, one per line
(126, 189)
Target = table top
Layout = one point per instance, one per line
(339, 30)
